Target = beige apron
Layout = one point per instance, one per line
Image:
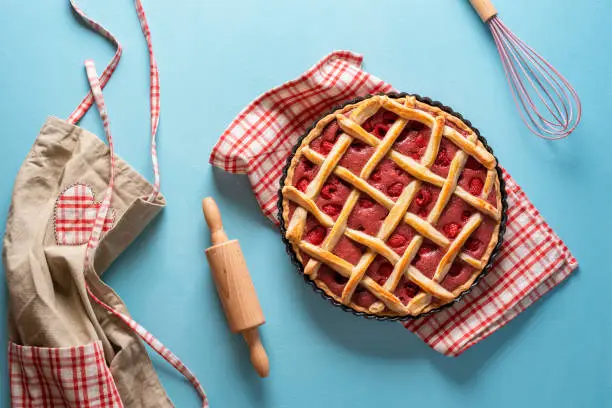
(48, 304)
(72, 342)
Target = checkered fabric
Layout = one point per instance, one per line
(258, 141)
(71, 377)
(75, 213)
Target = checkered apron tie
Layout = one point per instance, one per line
(258, 141)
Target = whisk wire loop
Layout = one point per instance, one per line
(547, 103)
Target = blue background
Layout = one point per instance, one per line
(214, 58)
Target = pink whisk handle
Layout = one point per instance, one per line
(485, 9)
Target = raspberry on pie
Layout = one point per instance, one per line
(418, 215)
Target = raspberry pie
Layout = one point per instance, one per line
(392, 206)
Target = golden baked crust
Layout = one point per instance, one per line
(443, 125)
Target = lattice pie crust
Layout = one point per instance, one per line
(443, 148)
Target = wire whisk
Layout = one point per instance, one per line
(547, 103)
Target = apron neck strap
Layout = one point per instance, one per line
(154, 92)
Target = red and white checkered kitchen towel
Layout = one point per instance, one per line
(258, 141)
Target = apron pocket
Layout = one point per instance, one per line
(67, 377)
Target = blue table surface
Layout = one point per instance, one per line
(214, 58)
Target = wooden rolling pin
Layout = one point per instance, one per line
(235, 287)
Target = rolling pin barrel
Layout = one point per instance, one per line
(235, 287)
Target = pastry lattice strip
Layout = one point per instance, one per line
(397, 210)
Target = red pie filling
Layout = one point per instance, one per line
(379, 270)
(332, 197)
(356, 156)
(473, 177)
(453, 217)
(492, 198)
(413, 140)
(334, 281)
(457, 275)
(477, 243)
(325, 143)
(424, 200)
(379, 123)
(401, 238)
(304, 173)
(406, 290)
(427, 258)
(348, 250)
(314, 233)
(389, 178)
(363, 297)
(367, 216)
(445, 156)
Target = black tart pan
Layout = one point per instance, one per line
(300, 268)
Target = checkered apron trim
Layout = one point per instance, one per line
(103, 209)
(258, 141)
(61, 377)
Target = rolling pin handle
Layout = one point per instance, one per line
(213, 219)
(259, 358)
